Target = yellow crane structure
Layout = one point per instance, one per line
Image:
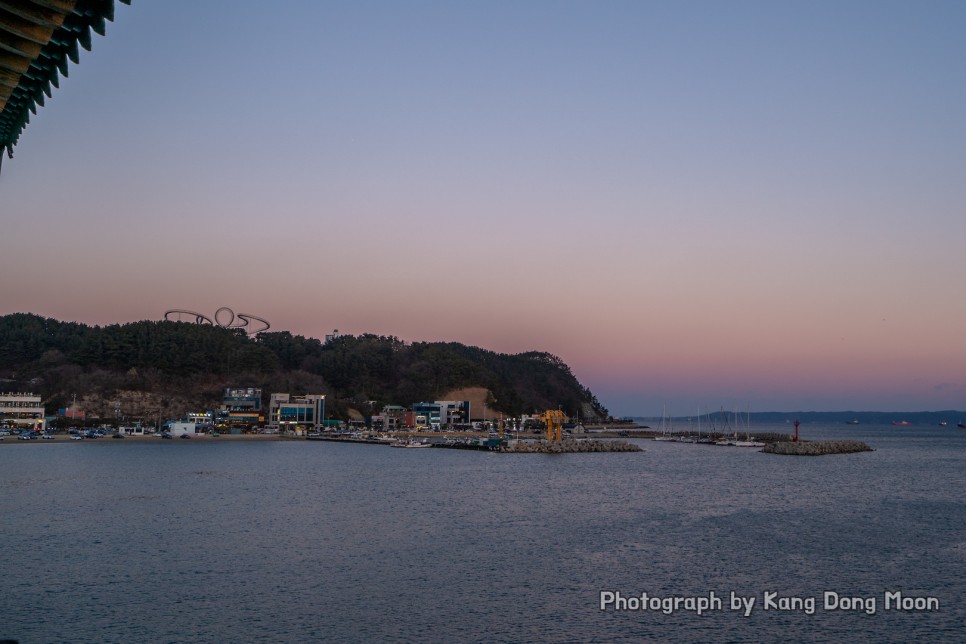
(554, 420)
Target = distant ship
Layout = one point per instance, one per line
(901, 423)
(854, 421)
(961, 425)
(943, 423)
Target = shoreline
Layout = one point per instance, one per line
(256, 438)
(152, 438)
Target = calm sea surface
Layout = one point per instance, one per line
(179, 541)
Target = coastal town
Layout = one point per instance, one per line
(442, 423)
(448, 423)
(242, 412)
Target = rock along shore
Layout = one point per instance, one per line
(569, 447)
(816, 448)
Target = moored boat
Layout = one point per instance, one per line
(410, 443)
(901, 423)
(744, 443)
(667, 432)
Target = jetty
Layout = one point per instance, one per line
(568, 446)
(816, 448)
(495, 443)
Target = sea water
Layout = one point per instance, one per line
(204, 541)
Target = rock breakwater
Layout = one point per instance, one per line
(816, 448)
(569, 447)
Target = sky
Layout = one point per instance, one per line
(694, 204)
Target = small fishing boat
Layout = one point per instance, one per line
(744, 443)
(901, 423)
(410, 443)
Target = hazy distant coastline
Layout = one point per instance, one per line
(829, 417)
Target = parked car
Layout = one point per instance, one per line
(47, 437)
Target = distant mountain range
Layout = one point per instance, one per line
(829, 417)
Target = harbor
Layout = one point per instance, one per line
(489, 443)
(237, 516)
(594, 440)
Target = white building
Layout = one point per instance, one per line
(296, 413)
(442, 413)
(22, 411)
(179, 427)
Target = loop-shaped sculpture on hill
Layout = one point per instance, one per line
(224, 317)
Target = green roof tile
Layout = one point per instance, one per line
(23, 25)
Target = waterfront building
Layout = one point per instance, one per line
(426, 414)
(241, 409)
(441, 413)
(72, 412)
(192, 423)
(202, 419)
(392, 417)
(454, 412)
(296, 413)
(179, 427)
(22, 411)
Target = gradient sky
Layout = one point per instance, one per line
(691, 203)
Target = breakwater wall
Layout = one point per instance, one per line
(568, 447)
(714, 436)
(816, 448)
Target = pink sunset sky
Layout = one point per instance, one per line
(692, 204)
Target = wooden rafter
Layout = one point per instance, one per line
(37, 38)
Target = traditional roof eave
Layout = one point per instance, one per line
(37, 37)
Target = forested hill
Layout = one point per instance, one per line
(194, 363)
